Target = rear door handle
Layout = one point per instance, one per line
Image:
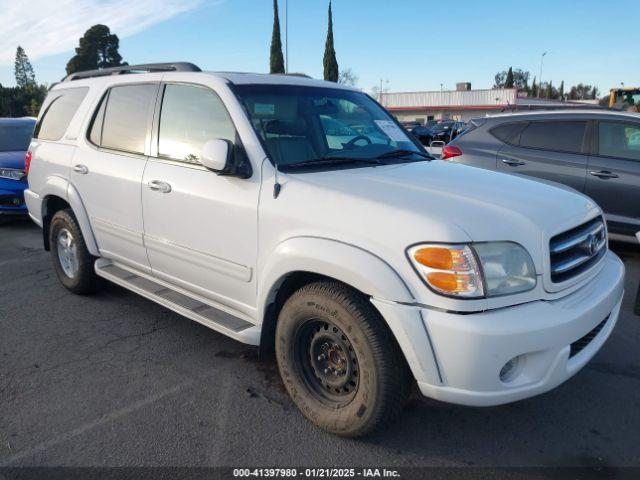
(159, 186)
(513, 163)
(81, 169)
(604, 174)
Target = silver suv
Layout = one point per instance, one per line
(596, 152)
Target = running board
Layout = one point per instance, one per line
(190, 307)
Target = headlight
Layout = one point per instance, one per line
(473, 271)
(11, 173)
(507, 268)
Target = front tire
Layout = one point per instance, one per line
(71, 259)
(339, 361)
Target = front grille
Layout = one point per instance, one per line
(580, 344)
(577, 250)
(11, 201)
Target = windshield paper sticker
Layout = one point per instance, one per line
(391, 130)
(264, 109)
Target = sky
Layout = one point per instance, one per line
(411, 44)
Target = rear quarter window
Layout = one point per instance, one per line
(59, 112)
(508, 132)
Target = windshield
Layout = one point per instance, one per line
(16, 137)
(302, 124)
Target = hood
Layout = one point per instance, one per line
(12, 159)
(439, 201)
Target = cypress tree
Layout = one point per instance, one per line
(330, 63)
(534, 88)
(561, 90)
(508, 83)
(276, 62)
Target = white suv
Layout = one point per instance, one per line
(366, 265)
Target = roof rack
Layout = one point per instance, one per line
(294, 74)
(144, 68)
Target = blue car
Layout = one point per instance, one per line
(15, 135)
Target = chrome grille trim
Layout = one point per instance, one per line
(580, 236)
(576, 250)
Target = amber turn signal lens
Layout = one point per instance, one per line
(434, 257)
(447, 282)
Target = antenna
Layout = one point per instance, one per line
(276, 184)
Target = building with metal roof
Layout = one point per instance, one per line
(464, 103)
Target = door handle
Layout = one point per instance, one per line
(513, 163)
(604, 174)
(81, 169)
(159, 186)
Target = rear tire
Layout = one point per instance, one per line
(71, 259)
(339, 361)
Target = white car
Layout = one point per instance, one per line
(366, 266)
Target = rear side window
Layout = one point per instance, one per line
(556, 136)
(619, 140)
(15, 138)
(58, 114)
(190, 117)
(122, 120)
(508, 132)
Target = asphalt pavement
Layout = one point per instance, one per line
(116, 380)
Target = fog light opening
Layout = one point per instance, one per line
(509, 370)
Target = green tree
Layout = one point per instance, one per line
(276, 61)
(25, 77)
(98, 48)
(534, 88)
(549, 90)
(508, 83)
(561, 90)
(330, 63)
(520, 79)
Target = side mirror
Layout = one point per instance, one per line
(216, 155)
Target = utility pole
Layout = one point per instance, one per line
(540, 77)
(286, 36)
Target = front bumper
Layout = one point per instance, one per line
(12, 197)
(469, 350)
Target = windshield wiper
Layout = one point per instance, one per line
(404, 153)
(333, 161)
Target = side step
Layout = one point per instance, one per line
(153, 289)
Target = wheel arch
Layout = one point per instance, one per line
(59, 194)
(302, 260)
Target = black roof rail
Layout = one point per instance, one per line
(144, 68)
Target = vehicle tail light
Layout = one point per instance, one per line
(27, 162)
(450, 151)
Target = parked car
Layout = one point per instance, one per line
(411, 125)
(366, 267)
(595, 152)
(441, 131)
(15, 135)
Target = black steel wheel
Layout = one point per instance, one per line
(339, 361)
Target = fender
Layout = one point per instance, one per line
(352, 265)
(60, 187)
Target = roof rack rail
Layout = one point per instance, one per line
(124, 69)
(294, 74)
